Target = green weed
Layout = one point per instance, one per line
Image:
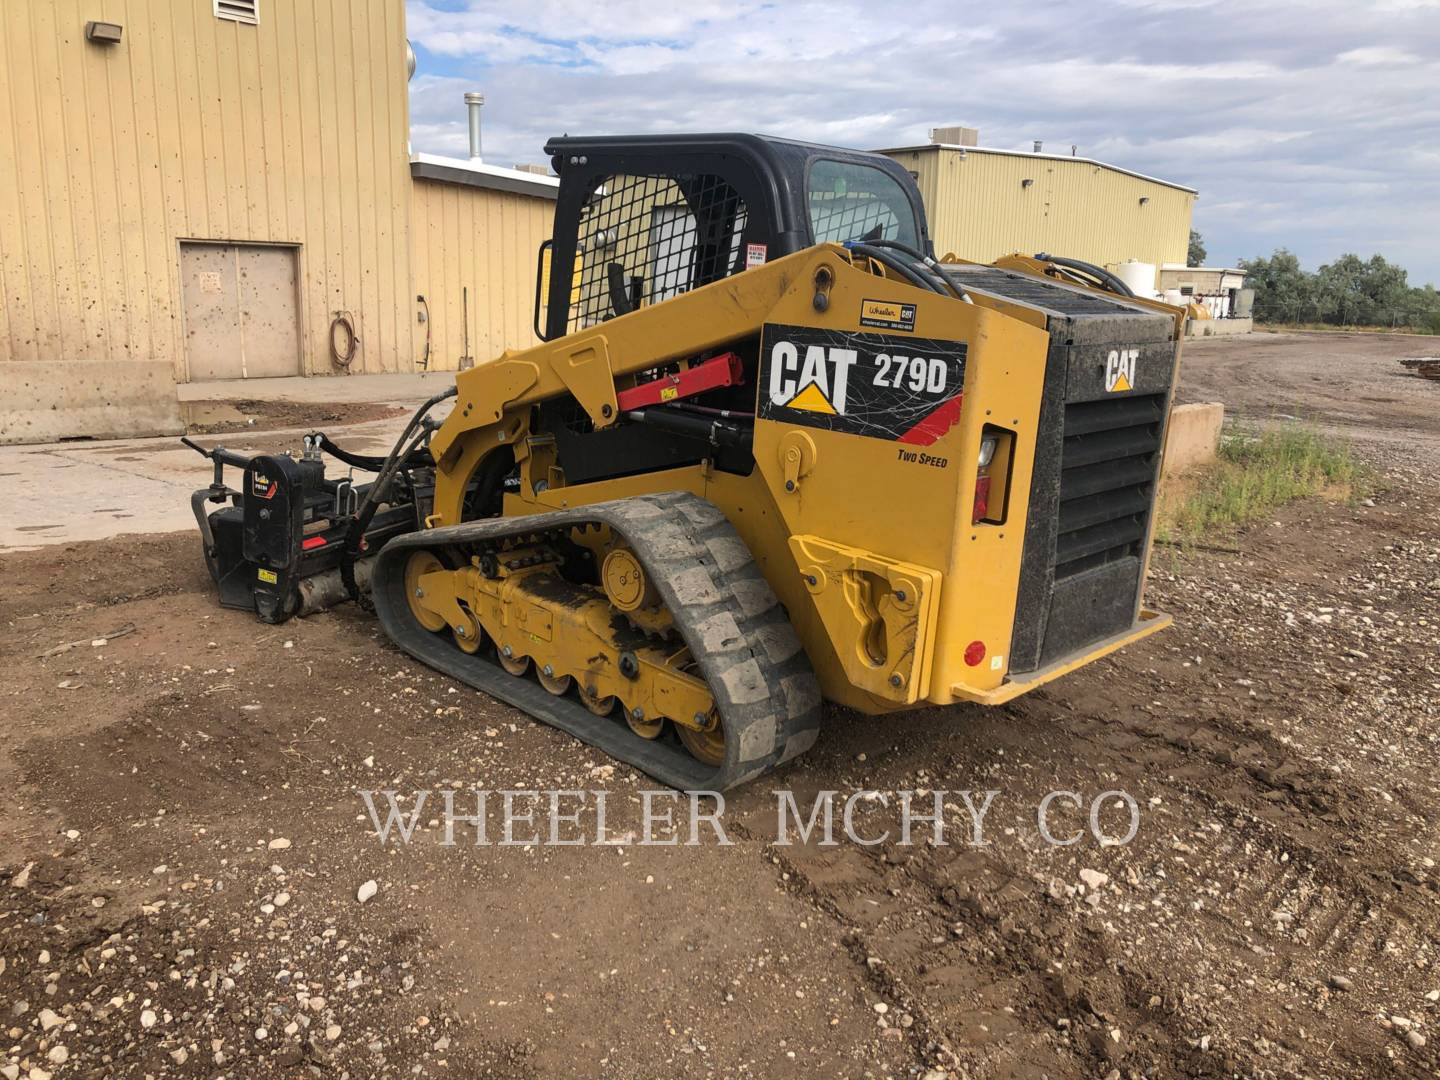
(1256, 473)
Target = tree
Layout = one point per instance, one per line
(1283, 291)
(1353, 291)
(1422, 309)
(1196, 256)
(1339, 292)
(1350, 291)
(1386, 291)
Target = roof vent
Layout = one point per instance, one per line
(473, 102)
(955, 136)
(241, 11)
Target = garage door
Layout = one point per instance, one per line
(241, 316)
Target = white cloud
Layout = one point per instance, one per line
(1377, 56)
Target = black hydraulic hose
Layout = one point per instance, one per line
(379, 490)
(933, 265)
(392, 462)
(355, 534)
(366, 462)
(1105, 277)
(890, 262)
(484, 499)
(915, 275)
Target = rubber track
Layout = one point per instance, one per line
(751, 658)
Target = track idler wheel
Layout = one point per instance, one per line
(419, 564)
(707, 745)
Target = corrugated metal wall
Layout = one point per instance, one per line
(487, 241)
(293, 131)
(980, 209)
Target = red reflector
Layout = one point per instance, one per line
(313, 543)
(982, 501)
(974, 653)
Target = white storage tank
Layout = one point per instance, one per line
(1140, 276)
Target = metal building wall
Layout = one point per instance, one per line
(487, 241)
(293, 131)
(979, 208)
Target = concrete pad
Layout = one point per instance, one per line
(64, 492)
(43, 401)
(1194, 436)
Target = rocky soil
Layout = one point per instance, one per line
(186, 847)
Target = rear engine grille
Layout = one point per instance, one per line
(1106, 480)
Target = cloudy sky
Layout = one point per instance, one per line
(1313, 126)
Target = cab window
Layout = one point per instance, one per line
(850, 201)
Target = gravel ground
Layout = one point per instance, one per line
(186, 848)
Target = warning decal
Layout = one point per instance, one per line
(905, 390)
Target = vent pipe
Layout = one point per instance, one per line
(1038, 145)
(473, 101)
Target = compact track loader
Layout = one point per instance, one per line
(769, 452)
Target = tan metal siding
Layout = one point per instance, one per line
(293, 131)
(980, 210)
(486, 240)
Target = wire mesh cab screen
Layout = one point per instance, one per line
(643, 239)
(642, 219)
(852, 201)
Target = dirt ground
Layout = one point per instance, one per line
(185, 840)
(1353, 383)
(227, 417)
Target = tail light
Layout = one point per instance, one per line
(982, 479)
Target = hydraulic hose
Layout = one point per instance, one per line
(410, 439)
(1099, 273)
(392, 462)
(890, 262)
(484, 499)
(932, 265)
(365, 462)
